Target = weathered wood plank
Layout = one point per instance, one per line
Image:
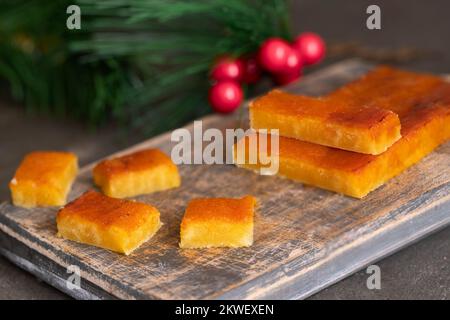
(305, 238)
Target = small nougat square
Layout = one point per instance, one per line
(114, 224)
(43, 178)
(218, 222)
(138, 173)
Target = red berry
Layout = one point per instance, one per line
(228, 69)
(294, 62)
(273, 54)
(252, 70)
(286, 78)
(311, 47)
(225, 96)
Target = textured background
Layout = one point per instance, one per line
(421, 271)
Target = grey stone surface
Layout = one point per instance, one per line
(421, 271)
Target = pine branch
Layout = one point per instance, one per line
(142, 63)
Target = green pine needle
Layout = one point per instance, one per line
(141, 63)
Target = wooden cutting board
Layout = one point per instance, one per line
(305, 238)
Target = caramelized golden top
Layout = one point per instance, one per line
(387, 88)
(324, 109)
(105, 212)
(224, 209)
(137, 161)
(413, 96)
(436, 104)
(44, 167)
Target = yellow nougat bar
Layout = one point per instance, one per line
(424, 110)
(43, 178)
(137, 173)
(218, 222)
(114, 224)
(325, 121)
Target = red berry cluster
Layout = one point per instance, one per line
(282, 60)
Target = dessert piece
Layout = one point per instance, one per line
(114, 224)
(421, 101)
(218, 222)
(138, 173)
(326, 121)
(43, 178)
(391, 89)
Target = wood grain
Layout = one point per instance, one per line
(305, 237)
